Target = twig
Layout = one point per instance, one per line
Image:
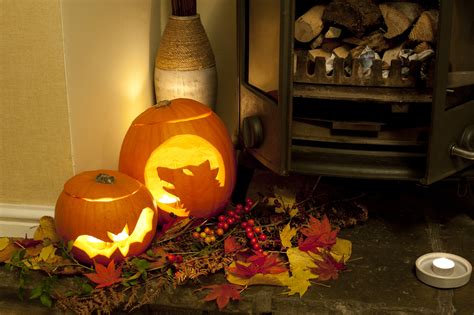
(321, 284)
(354, 259)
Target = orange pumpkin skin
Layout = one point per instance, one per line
(186, 128)
(87, 207)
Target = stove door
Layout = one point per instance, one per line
(451, 147)
(265, 43)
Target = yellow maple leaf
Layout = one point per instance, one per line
(293, 212)
(286, 234)
(300, 265)
(47, 253)
(341, 250)
(33, 263)
(4, 241)
(279, 279)
(298, 283)
(46, 230)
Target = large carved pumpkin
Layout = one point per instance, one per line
(108, 215)
(182, 151)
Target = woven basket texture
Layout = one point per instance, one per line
(184, 45)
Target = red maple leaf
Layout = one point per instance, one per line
(231, 245)
(328, 268)
(105, 277)
(259, 263)
(319, 234)
(223, 293)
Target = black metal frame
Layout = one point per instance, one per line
(375, 164)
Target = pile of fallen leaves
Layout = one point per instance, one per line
(301, 248)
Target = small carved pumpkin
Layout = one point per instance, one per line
(108, 215)
(182, 151)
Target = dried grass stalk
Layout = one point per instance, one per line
(183, 7)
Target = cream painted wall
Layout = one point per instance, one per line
(75, 73)
(110, 48)
(109, 51)
(35, 146)
(219, 20)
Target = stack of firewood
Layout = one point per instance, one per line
(346, 28)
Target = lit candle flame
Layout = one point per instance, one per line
(121, 236)
(167, 199)
(443, 266)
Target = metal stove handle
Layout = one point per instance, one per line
(465, 154)
(466, 146)
(252, 132)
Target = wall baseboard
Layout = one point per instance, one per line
(20, 220)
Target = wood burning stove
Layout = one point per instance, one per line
(329, 106)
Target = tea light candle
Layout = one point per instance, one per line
(443, 266)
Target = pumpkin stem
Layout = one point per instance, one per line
(105, 178)
(163, 103)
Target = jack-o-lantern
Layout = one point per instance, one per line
(182, 151)
(108, 216)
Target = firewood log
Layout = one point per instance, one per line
(313, 53)
(421, 47)
(329, 44)
(426, 27)
(411, 10)
(342, 51)
(375, 40)
(399, 16)
(333, 32)
(310, 24)
(357, 16)
(317, 41)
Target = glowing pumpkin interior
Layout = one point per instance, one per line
(122, 241)
(105, 216)
(180, 170)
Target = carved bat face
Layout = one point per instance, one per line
(122, 241)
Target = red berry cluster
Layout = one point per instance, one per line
(230, 218)
(254, 234)
(174, 258)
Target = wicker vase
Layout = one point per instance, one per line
(185, 64)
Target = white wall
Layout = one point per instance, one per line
(219, 18)
(110, 48)
(109, 51)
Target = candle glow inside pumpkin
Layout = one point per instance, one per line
(180, 153)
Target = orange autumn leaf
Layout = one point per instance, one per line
(231, 245)
(258, 263)
(105, 276)
(319, 234)
(223, 293)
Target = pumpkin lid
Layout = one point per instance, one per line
(101, 184)
(174, 111)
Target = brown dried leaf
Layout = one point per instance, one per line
(223, 293)
(7, 252)
(46, 230)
